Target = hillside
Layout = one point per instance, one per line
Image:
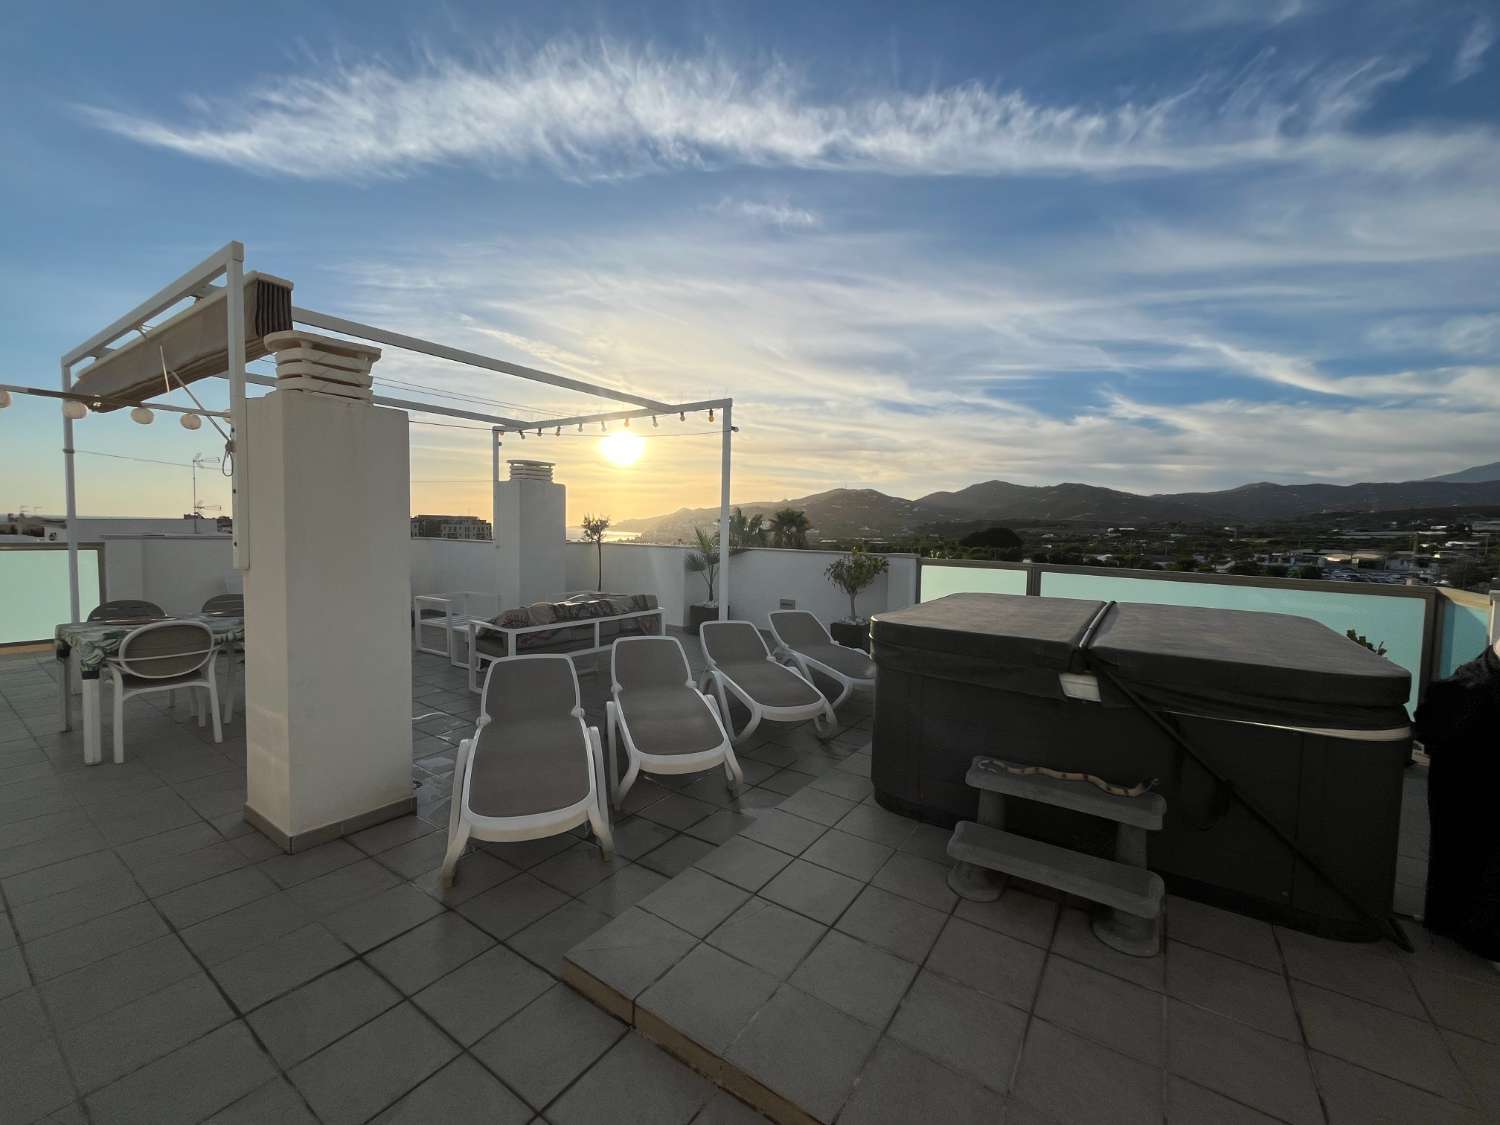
(845, 513)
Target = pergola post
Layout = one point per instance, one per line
(724, 512)
(70, 489)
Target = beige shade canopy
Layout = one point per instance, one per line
(194, 343)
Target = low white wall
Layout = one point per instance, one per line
(442, 565)
(631, 568)
(178, 573)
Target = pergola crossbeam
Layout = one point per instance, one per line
(619, 415)
(459, 355)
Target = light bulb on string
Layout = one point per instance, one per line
(142, 416)
(191, 422)
(4, 399)
(682, 417)
(557, 432)
(580, 427)
(602, 427)
(627, 423)
(710, 413)
(74, 409)
(654, 423)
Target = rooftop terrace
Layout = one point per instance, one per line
(162, 962)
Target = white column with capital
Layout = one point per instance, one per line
(327, 603)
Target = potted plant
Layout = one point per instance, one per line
(853, 573)
(594, 528)
(704, 560)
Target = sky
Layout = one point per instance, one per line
(1164, 246)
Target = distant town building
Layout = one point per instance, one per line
(450, 527)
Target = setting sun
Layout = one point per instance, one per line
(622, 449)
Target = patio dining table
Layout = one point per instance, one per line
(91, 643)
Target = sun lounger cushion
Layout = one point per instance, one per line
(770, 684)
(855, 665)
(529, 766)
(669, 720)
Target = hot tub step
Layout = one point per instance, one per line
(1131, 889)
(1145, 811)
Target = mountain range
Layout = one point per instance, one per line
(850, 512)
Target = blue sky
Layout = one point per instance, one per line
(1157, 246)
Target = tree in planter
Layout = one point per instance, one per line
(705, 561)
(854, 572)
(789, 528)
(594, 528)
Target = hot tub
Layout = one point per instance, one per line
(1308, 725)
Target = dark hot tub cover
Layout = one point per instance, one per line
(1247, 667)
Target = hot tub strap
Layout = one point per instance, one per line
(1233, 793)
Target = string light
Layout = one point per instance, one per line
(654, 422)
(602, 427)
(710, 413)
(74, 409)
(627, 423)
(142, 416)
(4, 399)
(557, 432)
(191, 422)
(580, 427)
(681, 417)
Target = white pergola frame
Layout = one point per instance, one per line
(229, 263)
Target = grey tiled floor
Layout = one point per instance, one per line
(160, 962)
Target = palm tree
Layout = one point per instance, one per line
(789, 528)
(746, 531)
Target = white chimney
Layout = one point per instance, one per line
(530, 530)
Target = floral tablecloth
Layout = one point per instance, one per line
(93, 641)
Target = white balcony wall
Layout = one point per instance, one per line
(439, 566)
(634, 568)
(178, 573)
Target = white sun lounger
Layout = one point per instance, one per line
(665, 722)
(802, 640)
(739, 664)
(532, 768)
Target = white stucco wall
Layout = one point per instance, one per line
(178, 573)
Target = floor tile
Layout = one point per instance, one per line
(872, 823)
(34, 1080)
(1191, 1104)
(546, 942)
(372, 921)
(677, 812)
(1222, 931)
(1018, 913)
(1083, 1082)
(1378, 1039)
(695, 901)
(779, 829)
(846, 785)
(623, 889)
(342, 887)
(1359, 1097)
(362, 1073)
(1480, 1063)
(187, 1085)
(435, 948)
(804, 1050)
(144, 1030)
(1460, 1003)
(1232, 988)
(193, 904)
(961, 1028)
(723, 1108)
(848, 855)
(1365, 970)
(815, 891)
(290, 870)
(788, 782)
(481, 994)
(309, 1018)
(1075, 940)
(576, 870)
(1122, 1016)
(169, 874)
(92, 941)
(390, 834)
(995, 964)
(462, 1093)
(770, 937)
(416, 856)
(676, 855)
(540, 1050)
(512, 906)
(636, 836)
(905, 928)
(86, 994)
(708, 996)
(744, 863)
(636, 1083)
(276, 1102)
(262, 974)
(632, 951)
(858, 979)
(1247, 1065)
(244, 928)
(899, 1086)
(918, 879)
(813, 804)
